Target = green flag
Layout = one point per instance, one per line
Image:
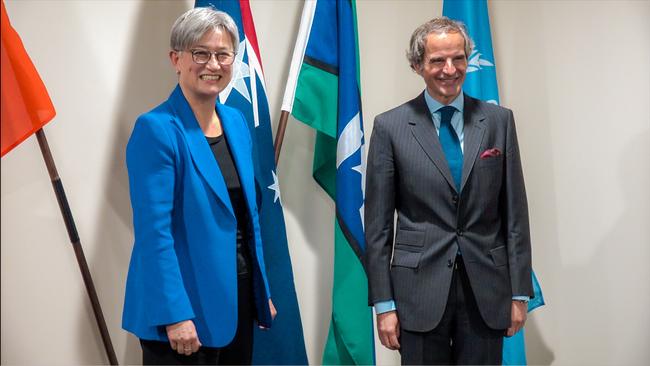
(323, 92)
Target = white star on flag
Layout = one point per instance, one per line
(362, 170)
(241, 71)
(275, 187)
(351, 141)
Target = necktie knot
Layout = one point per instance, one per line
(446, 113)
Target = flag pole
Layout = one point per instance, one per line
(76, 244)
(279, 135)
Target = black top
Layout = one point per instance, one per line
(221, 151)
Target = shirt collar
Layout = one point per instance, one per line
(434, 105)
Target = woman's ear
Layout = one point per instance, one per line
(174, 57)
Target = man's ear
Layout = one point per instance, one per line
(417, 68)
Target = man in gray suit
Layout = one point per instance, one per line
(454, 276)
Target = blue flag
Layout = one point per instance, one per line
(284, 343)
(481, 83)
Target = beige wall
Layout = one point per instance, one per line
(575, 73)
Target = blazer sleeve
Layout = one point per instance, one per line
(517, 224)
(150, 158)
(379, 214)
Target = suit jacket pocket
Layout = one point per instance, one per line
(409, 237)
(499, 255)
(491, 161)
(404, 258)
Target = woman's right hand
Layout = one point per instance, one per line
(183, 338)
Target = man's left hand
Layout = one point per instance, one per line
(519, 314)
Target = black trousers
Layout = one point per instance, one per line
(237, 352)
(461, 338)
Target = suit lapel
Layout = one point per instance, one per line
(473, 130)
(425, 133)
(199, 148)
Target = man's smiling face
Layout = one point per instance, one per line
(444, 65)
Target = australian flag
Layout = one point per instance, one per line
(284, 343)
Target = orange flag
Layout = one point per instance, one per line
(26, 106)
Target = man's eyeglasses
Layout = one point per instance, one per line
(202, 57)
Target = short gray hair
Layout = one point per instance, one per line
(440, 25)
(192, 25)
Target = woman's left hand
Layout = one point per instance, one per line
(272, 308)
(273, 313)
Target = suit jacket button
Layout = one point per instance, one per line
(450, 263)
(459, 232)
(454, 199)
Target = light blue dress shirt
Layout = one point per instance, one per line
(458, 126)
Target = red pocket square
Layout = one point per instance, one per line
(489, 153)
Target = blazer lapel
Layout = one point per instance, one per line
(199, 149)
(473, 130)
(234, 127)
(425, 133)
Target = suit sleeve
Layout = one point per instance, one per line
(517, 225)
(152, 172)
(379, 214)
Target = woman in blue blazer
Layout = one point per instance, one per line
(197, 278)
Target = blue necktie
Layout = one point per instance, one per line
(451, 144)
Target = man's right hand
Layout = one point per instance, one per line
(183, 338)
(388, 329)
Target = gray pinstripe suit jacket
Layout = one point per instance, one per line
(488, 219)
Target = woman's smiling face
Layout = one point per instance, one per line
(204, 81)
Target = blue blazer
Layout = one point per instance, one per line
(183, 264)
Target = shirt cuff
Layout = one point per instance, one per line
(521, 298)
(385, 306)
